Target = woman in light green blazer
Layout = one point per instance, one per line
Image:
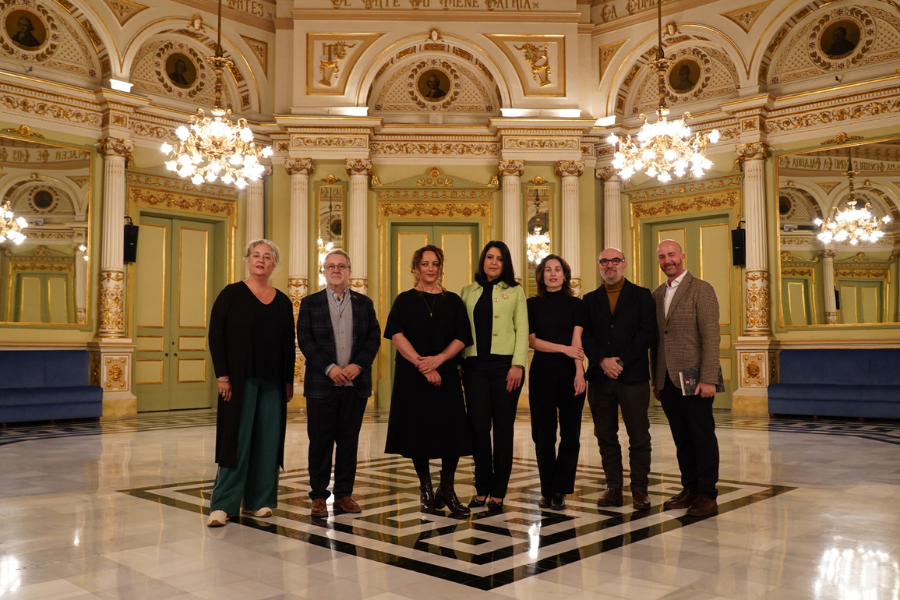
(493, 369)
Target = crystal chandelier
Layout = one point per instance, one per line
(211, 148)
(11, 226)
(851, 224)
(537, 245)
(664, 149)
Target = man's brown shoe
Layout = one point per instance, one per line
(684, 499)
(319, 509)
(347, 505)
(611, 497)
(641, 500)
(703, 507)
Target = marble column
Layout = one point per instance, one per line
(828, 285)
(612, 207)
(513, 229)
(298, 261)
(570, 171)
(358, 222)
(116, 152)
(756, 273)
(255, 211)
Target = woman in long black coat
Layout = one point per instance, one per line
(251, 340)
(429, 327)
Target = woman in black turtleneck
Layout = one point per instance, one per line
(494, 367)
(556, 383)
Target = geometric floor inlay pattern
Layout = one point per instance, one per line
(484, 551)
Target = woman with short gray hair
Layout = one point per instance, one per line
(251, 340)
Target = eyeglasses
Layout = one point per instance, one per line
(334, 268)
(610, 261)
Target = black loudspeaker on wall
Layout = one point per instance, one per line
(739, 247)
(131, 239)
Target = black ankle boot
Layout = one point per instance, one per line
(426, 497)
(446, 495)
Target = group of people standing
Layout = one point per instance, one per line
(459, 370)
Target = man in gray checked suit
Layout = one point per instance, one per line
(687, 314)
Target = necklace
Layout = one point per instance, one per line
(430, 308)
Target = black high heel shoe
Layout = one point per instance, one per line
(427, 502)
(476, 503)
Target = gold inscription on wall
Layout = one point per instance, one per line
(510, 5)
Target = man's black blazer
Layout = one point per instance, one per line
(315, 338)
(628, 333)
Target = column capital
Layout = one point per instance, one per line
(570, 168)
(358, 166)
(606, 173)
(299, 166)
(753, 151)
(115, 146)
(511, 167)
(827, 253)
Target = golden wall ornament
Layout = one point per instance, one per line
(757, 303)
(24, 130)
(694, 204)
(753, 369)
(358, 166)
(299, 166)
(181, 202)
(605, 173)
(116, 368)
(545, 143)
(746, 16)
(825, 117)
(538, 180)
(752, 151)
(332, 54)
(112, 304)
(434, 148)
(570, 168)
(393, 208)
(360, 285)
(329, 141)
(536, 56)
(841, 138)
(511, 167)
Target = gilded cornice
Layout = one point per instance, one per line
(178, 185)
(699, 203)
(734, 181)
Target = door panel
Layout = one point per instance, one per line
(173, 301)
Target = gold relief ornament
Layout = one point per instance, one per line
(753, 369)
(753, 150)
(111, 304)
(333, 53)
(576, 286)
(538, 180)
(570, 168)
(605, 173)
(24, 130)
(511, 167)
(109, 146)
(536, 56)
(841, 138)
(115, 373)
(299, 166)
(757, 302)
(358, 166)
(360, 285)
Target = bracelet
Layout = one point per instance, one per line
(226, 380)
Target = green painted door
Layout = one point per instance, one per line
(173, 299)
(707, 246)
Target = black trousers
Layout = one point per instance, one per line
(634, 399)
(551, 396)
(490, 407)
(694, 431)
(333, 421)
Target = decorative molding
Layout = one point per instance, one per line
(196, 204)
(114, 372)
(299, 166)
(605, 173)
(331, 57)
(754, 369)
(535, 60)
(694, 204)
(606, 55)
(570, 168)
(511, 168)
(329, 141)
(752, 151)
(536, 56)
(112, 304)
(745, 17)
(125, 10)
(260, 50)
(360, 285)
(24, 130)
(757, 302)
(452, 210)
(412, 147)
(841, 138)
(541, 143)
(538, 180)
(358, 166)
(842, 109)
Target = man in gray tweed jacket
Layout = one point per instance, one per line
(687, 314)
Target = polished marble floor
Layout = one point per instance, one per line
(809, 509)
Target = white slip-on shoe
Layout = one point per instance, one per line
(217, 518)
(262, 512)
